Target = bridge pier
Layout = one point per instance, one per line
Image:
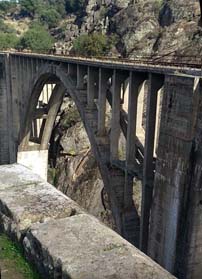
(92, 86)
(175, 226)
(81, 72)
(155, 82)
(7, 144)
(104, 76)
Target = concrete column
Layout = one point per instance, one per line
(134, 83)
(155, 82)
(104, 76)
(91, 86)
(115, 122)
(131, 221)
(72, 70)
(54, 104)
(25, 132)
(81, 72)
(7, 143)
(15, 102)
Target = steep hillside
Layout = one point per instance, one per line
(139, 27)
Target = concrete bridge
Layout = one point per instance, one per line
(169, 229)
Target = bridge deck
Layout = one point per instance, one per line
(149, 66)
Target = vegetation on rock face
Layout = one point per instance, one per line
(62, 7)
(8, 38)
(74, 5)
(7, 6)
(95, 44)
(50, 17)
(5, 28)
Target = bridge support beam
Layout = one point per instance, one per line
(54, 104)
(117, 80)
(81, 72)
(104, 76)
(155, 82)
(131, 221)
(92, 86)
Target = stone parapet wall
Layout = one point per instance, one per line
(60, 238)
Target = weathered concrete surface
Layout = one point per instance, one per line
(36, 160)
(25, 200)
(6, 154)
(88, 250)
(60, 238)
(172, 193)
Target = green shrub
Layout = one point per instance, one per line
(7, 6)
(50, 17)
(4, 28)
(74, 5)
(30, 7)
(36, 39)
(95, 44)
(70, 118)
(8, 40)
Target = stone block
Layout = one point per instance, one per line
(25, 200)
(80, 247)
(60, 238)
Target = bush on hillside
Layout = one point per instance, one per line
(30, 7)
(8, 40)
(4, 28)
(50, 17)
(7, 6)
(36, 39)
(95, 44)
(74, 5)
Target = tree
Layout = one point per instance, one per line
(8, 40)
(74, 5)
(95, 44)
(59, 6)
(37, 39)
(30, 7)
(50, 17)
(7, 6)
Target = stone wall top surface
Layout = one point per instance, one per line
(60, 238)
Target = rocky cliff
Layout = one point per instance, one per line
(141, 27)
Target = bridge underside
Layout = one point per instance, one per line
(169, 226)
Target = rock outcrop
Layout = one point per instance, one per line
(143, 27)
(76, 172)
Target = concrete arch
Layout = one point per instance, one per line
(113, 178)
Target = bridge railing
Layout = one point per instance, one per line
(181, 61)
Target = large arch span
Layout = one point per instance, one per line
(66, 79)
